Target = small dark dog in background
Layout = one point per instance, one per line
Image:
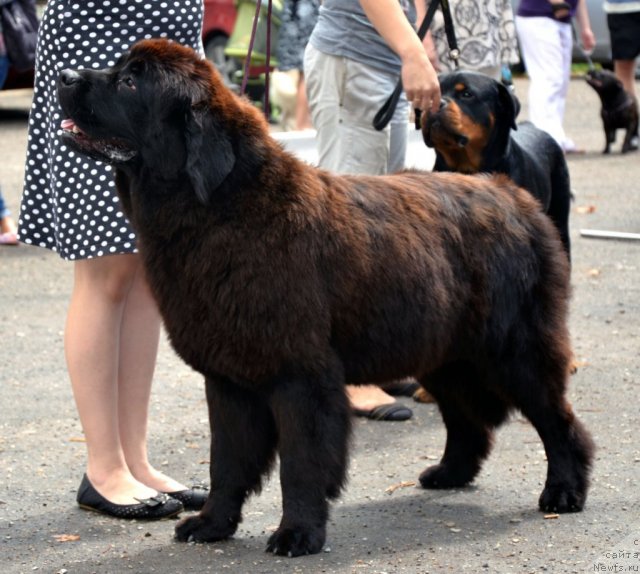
(619, 109)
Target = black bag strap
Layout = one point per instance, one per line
(385, 113)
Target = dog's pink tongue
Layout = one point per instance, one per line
(67, 124)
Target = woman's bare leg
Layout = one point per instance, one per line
(139, 337)
(94, 338)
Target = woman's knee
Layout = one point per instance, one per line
(110, 277)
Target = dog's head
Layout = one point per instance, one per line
(473, 123)
(160, 107)
(604, 82)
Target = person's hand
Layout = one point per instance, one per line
(588, 40)
(420, 82)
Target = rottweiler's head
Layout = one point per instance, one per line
(159, 109)
(471, 129)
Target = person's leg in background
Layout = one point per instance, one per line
(624, 30)
(543, 46)
(566, 42)
(4, 68)
(399, 127)
(8, 231)
(324, 83)
(337, 92)
(303, 117)
(366, 150)
(625, 71)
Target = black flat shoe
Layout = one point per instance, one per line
(192, 498)
(392, 412)
(154, 508)
(401, 387)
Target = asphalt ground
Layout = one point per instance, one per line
(492, 526)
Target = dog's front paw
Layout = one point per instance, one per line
(297, 541)
(445, 476)
(202, 528)
(561, 498)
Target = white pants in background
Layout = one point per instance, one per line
(546, 48)
(344, 96)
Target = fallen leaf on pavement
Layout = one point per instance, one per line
(395, 487)
(66, 537)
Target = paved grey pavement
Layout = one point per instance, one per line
(492, 526)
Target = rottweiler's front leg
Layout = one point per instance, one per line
(243, 442)
(313, 419)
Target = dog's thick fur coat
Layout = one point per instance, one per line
(279, 282)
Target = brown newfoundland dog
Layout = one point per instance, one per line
(279, 282)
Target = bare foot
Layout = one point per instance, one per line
(7, 225)
(156, 479)
(367, 397)
(8, 231)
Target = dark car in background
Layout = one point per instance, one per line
(217, 27)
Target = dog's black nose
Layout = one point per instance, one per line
(69, 77)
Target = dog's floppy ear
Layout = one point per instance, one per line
(509, 105)
(210, 155)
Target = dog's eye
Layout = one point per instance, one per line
(466, 94)
(128, 81)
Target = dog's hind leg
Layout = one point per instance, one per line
(313, 420)
(569, 451)
(470, 413)
(538, 387)
(243, 446)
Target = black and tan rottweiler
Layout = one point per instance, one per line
(475, 131)
(279, 281)
(619, 109)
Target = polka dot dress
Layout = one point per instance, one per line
(70, 204)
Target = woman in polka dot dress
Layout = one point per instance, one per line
(70, 206)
